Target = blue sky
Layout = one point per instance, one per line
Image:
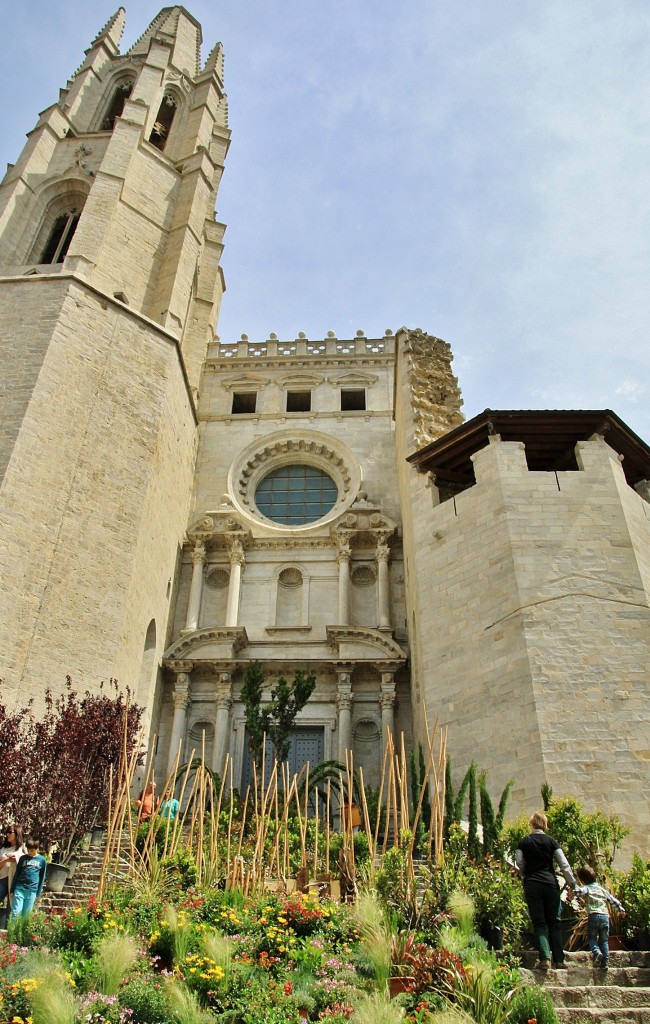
(477, 170)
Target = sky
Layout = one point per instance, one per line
(478, 170)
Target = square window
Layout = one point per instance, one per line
(298, 401)
(353, 399)
(244, 401)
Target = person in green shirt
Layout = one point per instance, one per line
(28, 881)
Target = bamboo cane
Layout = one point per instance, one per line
(228, 866)
(349, 772)
(315, 831)
(181, 817)
(423, 788)
(379, 803)
(366, 823)
(223, 782)
(327, 828)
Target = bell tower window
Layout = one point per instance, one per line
(120, 96)
(60, 237)
(163, 123)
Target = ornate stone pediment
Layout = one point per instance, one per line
(219, 528)
(361, 643)
(221, 644)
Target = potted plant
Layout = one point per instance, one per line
(499, 908)
(402, 951)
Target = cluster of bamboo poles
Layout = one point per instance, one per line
(270, 808)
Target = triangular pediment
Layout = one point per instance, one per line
(244, 381)
(352, 379)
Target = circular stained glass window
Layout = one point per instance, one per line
(295, 495)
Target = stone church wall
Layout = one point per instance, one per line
(95, 498)
(535, 605)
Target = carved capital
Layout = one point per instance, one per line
(344, 700)
(387, 700)
(224, 702)
(236, 554)
(198, 553)
(343, 554)
(182, 692)
(382, 551)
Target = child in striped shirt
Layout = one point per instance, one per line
(596, 900)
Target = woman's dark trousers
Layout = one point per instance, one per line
(543, 901)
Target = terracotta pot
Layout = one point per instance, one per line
(399, 984)
(616, 942)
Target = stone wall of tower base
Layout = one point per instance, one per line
(95, 497)
(532, 628)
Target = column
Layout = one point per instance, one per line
(383, 594)
(237, 559)
(344, 708)
(387, 704)
(181, 703)
(343, 560)
(196, 586)
(222, 727)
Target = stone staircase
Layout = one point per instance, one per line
(84, 883)
(583, 994)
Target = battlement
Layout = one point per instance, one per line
(273, 348)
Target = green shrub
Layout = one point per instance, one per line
(145, 997)
(585, 837)
(498, 898)
(530, 1003)
(633, 890)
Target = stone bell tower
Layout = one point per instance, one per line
(109, 292)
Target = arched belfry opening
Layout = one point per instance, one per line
(163, 123)
(60, 236)
(57, 213)
(120, 95)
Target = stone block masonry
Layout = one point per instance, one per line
(95, 495)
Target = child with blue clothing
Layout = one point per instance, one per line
(28, 881)
(596, 900)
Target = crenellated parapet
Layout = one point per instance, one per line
(302, 346)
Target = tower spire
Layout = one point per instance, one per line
(214, 63)
(181, 32)
(112, 31)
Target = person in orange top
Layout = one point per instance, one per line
(147, 802)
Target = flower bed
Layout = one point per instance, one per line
(264, 959)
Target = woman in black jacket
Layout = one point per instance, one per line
(536, 857)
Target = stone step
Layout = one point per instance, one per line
(599, 996)
(579, 976)
(590, 1015)
(617, 958)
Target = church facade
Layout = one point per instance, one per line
(173, 507)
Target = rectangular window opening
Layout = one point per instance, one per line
(298, 401)
(244, 401)
(353, 399)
